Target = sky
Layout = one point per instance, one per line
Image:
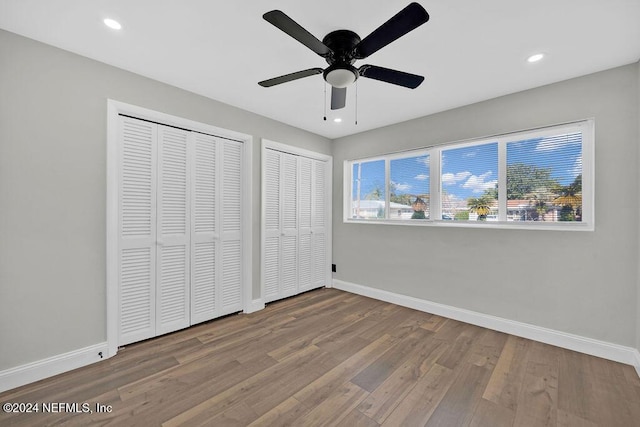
(469, 171)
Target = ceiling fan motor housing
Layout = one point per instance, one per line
(340, 72)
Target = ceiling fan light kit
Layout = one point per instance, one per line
(340, 76)
(342, 48)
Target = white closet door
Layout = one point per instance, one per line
(231, 236)
(173, 233)
(179, 228)
(319, 238)
(295, 224)
(289, 225)
(136, 230)
(271, 251)
(305, 258)
(204, 232)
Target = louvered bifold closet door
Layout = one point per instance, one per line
(305, 189)
(289, 225)
(205, 239)
(319, 238)
(271, 252)
(173, 233)
(231, 236)
(136, 229)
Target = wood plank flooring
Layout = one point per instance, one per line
(332, 358)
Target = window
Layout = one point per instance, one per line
(469, 182)
(539, 179)
(368, 190)
(544, 178)
(407, 190)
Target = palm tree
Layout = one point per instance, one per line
(481, 206)
(570, 198)
(375, 194)
(541, 208)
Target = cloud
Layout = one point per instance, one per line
(478, 184)
(424, 160)
(548, 145)
(451, 179)
(400, 187)
(421, 177)
(559, 141)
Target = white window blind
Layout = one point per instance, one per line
(409, 188)
(540, 179)
(368, 190)
(469, 182)
(544, 178)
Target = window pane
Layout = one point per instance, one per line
(409, 188)
(544, 179)
(368, 190)
(470, 183)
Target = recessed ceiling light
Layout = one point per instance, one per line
(535, 58)
(337, 120)
(112, 23)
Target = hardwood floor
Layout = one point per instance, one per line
(332, 358)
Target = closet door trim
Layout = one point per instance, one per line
(116, 109)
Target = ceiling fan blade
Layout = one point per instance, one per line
(279, 19)
(388, 75)
(338, 97)
(408, 19)
(290, 77)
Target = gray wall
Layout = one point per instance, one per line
(53, 183)
(52, 205)
(583, 283)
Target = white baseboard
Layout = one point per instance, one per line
(36, 371)
(45, 368)
(606, 350)
(254, 305)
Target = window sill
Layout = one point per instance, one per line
(507, 225)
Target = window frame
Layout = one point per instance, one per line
(587, 223)
(420, 152)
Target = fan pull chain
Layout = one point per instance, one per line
(356, 103)
(325, 100)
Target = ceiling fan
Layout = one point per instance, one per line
(342, 48)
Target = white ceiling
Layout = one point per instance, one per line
(469, 51)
